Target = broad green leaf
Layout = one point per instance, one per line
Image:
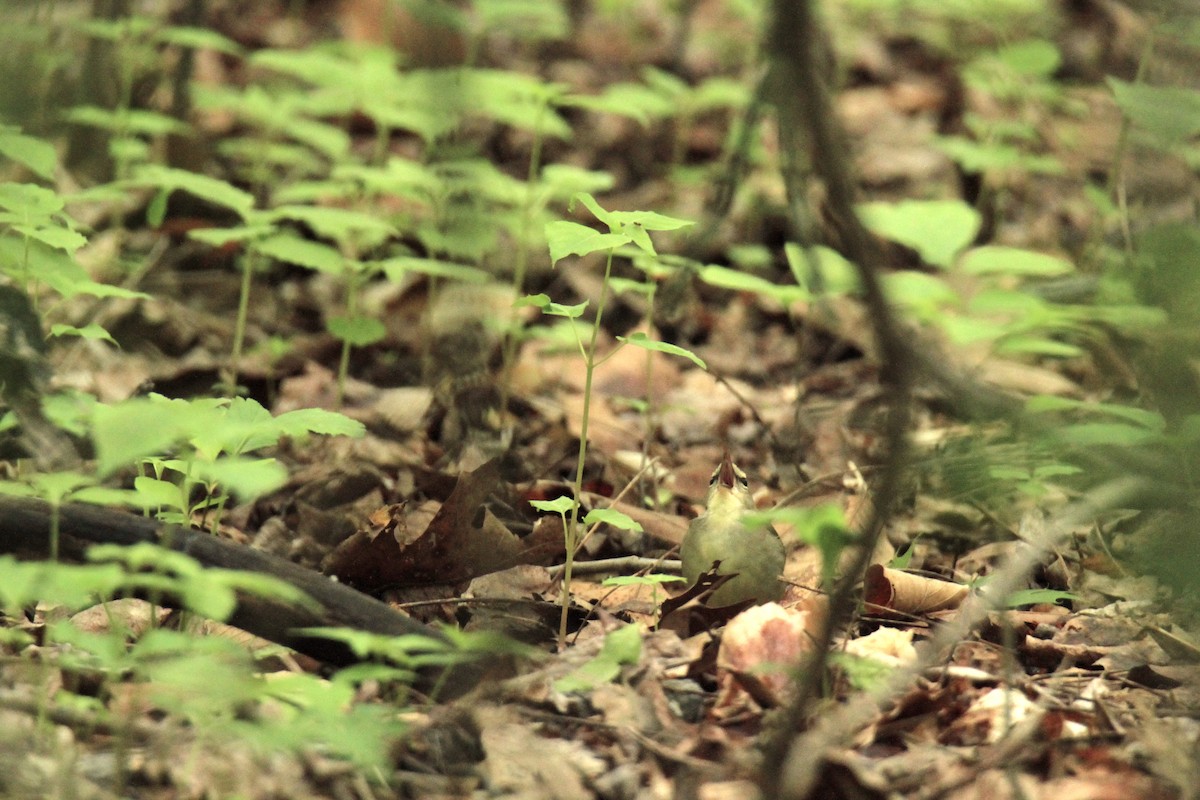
(648, 220)
(156, 493)
(997, 260)
(342, 225)
(397, 268)
(357, 331)
(198, 39)
(726, 278)
(1091, 434)
(837, 276)
(213, 190)
(598, 211)
(570, 238)
(540, 300)
(318, 420)
(610, 516)
(219, 237)
(53, 236)
(128, 431)
(937, 229)
(290, 248)
(1036, 58)
(1038, 346)
(91, 332)
(32, 203)
(247, 478)
(925, 295)
(552, 308)
(622, 646)
(559, 505)
(1171, 114)
(640, 339)
(1150, 420)
(37, 156)
(641, 580)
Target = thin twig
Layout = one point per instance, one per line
(802, 101)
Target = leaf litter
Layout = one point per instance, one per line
(1093, 700)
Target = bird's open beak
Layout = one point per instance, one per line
(725, 474)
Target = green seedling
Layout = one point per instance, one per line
(570, 238)
(621, 647)
(212, 437)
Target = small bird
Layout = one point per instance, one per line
(756, 555)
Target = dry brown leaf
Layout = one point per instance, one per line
(462, 540)
(896, 590)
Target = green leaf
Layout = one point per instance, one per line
(1036, 58)
(213, 190)
(128, 431)
(936, 229)
(559, 505)
(548, 306)
(726, 278)
(925, 295)
(91, 332)
(570, 238)
(640, 339)
(318, 420)
(610, 516)
(342, 225)
(156, 493)
(997, 260)
(35, 155)
(1150, 420)
(622, 646)
(290, 248)
(247, 478)
(1171, 114)
(652, 579)
(1091, 434)
(397, 268)
(823, 526)
(53, 236)
(357, 331)
(835, 275)
(1038, 346)
(198, 39)
(33, 203)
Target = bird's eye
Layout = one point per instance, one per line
(743, 480)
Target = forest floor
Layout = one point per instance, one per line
(1084, 687)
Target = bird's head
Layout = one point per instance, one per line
(728, 490)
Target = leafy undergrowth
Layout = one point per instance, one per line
(471, 339)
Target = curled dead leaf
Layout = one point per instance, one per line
(895, 590)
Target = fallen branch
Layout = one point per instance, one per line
(25, 525)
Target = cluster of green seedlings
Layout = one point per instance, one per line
(462, 210)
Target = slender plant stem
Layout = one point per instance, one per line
(521, 263)
(239, 327)
(572, 521)
(344, 360)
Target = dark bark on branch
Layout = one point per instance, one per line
(802, 101)
(25, 525)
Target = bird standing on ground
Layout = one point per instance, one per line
(756, 555)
